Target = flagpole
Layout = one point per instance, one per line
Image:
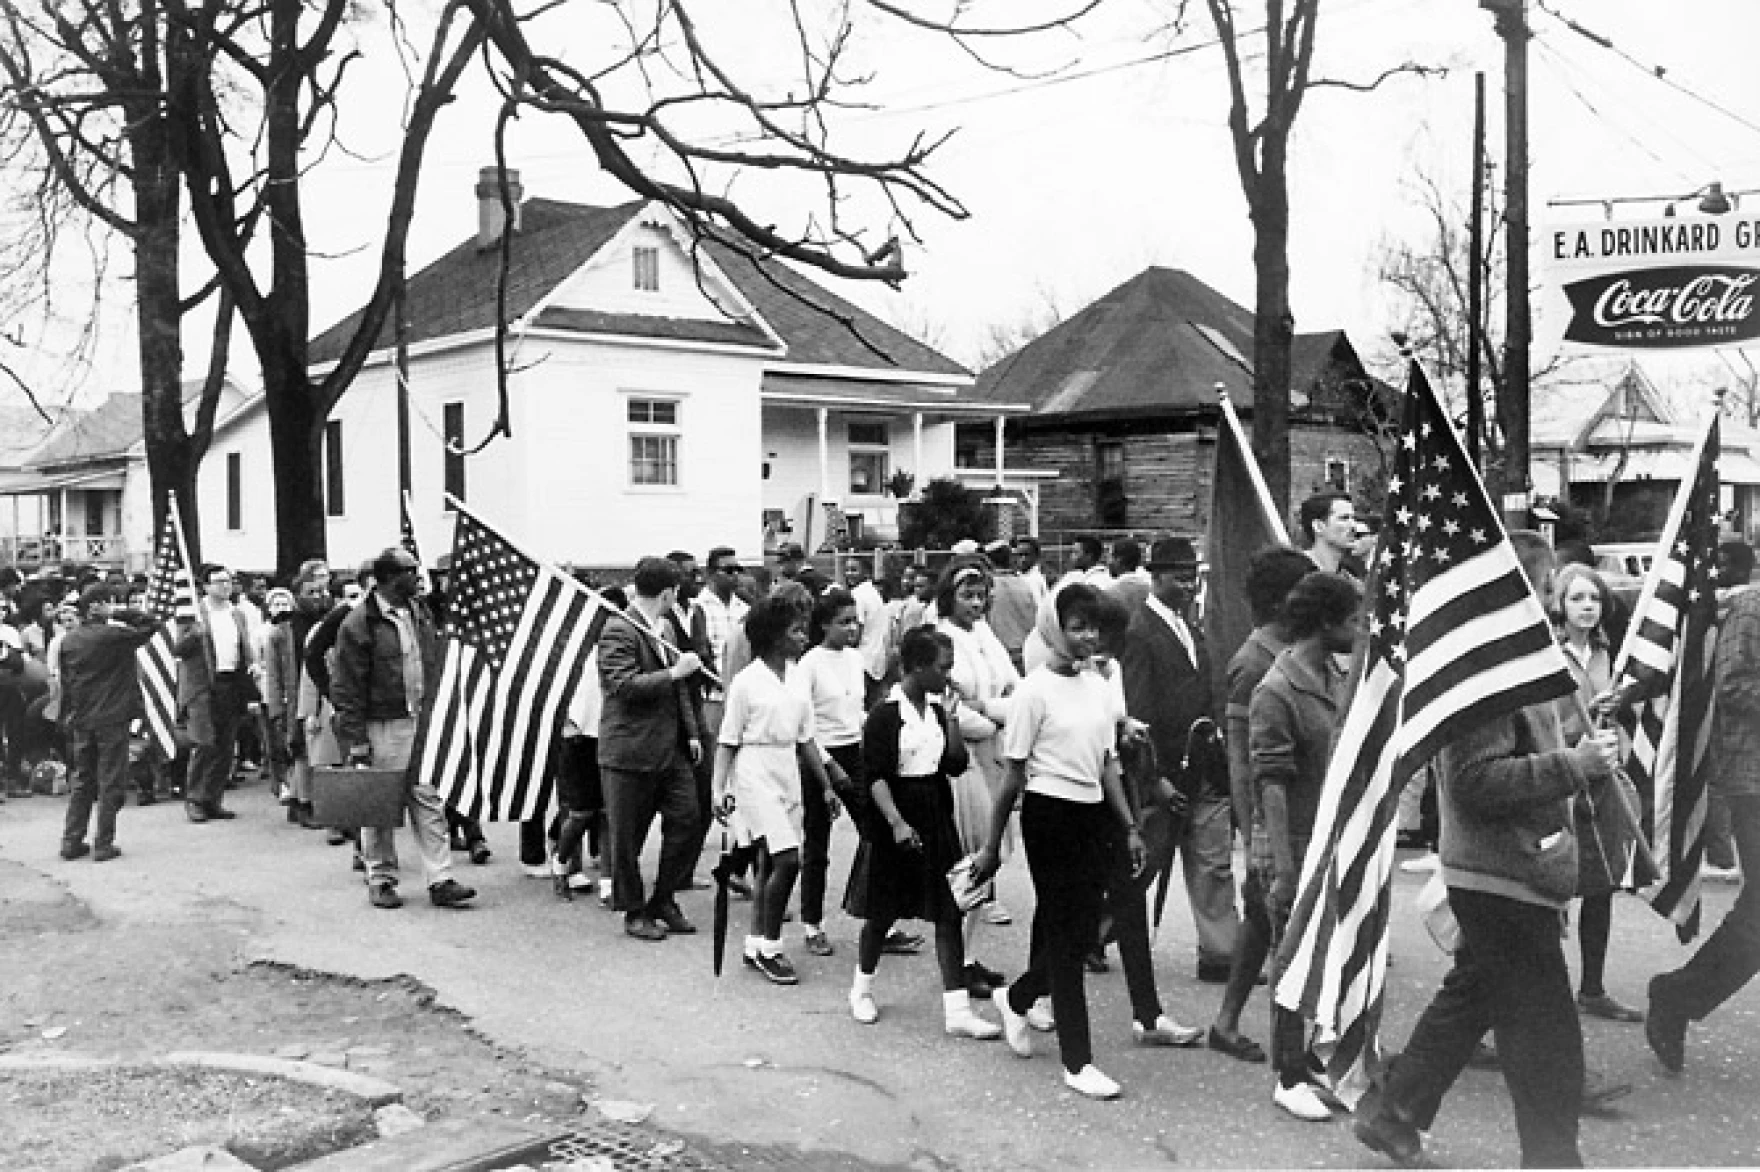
(1252, 463)
(409, 513)
(646, 629)
(1677, 512)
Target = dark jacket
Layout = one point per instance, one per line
(648, 719)
(99, 687)
(319, 643)
(1504, 790)
(1168, 692)
(368, 682)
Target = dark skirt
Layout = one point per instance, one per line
(889, 882)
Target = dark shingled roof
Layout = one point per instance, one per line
(1157, 344)
(107, 430)
(456, 295)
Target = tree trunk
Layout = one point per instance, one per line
(1273, 325)
(296, 435)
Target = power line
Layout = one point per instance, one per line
(1658, 72)
(1558, 62)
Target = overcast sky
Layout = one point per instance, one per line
(1076, 182)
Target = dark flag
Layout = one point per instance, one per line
(518, 641)
(1666, 665)
(171, 598)
(1455, 637)
(1242, 522)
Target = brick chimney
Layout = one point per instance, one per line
(490, 217)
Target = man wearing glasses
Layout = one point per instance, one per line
(217, 669)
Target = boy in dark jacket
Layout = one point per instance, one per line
(100, 695)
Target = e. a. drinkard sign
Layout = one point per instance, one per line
(1658, 284)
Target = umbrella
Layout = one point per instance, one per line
(734, 859)
(1164, 825)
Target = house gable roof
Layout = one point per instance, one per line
(1157, 344)
(455, 295)
(105, 431)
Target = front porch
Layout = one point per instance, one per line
(63, 520)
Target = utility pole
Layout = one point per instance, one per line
(1476, 281)
(1512, 410)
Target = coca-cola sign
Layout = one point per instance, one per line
(1665, 308)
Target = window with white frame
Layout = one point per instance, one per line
(647, 267)
(653, 442)
(1338, 473)
(870, 449)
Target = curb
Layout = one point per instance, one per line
(376, 1092)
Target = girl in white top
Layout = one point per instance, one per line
(833, 677)
(1059, 749)
(983, 678)
(765, 753)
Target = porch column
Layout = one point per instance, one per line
(61, 537)
(1001, 424)
(917, 447)
(1033, 508)
(824, 414)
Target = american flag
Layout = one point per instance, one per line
(171, 598)
(1455, 638)
(517, 644)
(1666, 660)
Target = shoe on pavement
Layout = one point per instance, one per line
(1601, 1092)
(1302, 1101)
(776, 967)
(335, 836)
(75, 850)
(1014, 1025)
(220, 813)
(997, 914)
(817, 943)
(670, 914)
(1397, 1140)
(644, 928)
(104, 854)
(862, 1007)
(1166, 1032)
(1665, 1029)
(1040, 1017)
(383, 895)
(536, 870)
(480, 852)
(1240, 1046)
(1090, 1082)
(898, 942)
(195, 811)
(450, 893)
(1422, 865)
(1603, 1005)
(963, 1023)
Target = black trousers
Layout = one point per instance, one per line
(99, 769)
(816, 834)
(1731, 956)
(1067, 855)
(632, 799)
(213, 732)
(1509, 977)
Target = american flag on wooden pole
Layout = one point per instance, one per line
(171, 598)
(518, 637)
(1666, 666)
(1455, 637)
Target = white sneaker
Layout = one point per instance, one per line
(537, 870)
(1090, 1082)
(581, 881)
(1422, 865)
(1302, 1101)
(966, 1024)
(1041, 1018)
(863, 1009)
(1166, 1032)
(1014, 1026)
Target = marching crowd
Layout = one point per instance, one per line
(959, 719)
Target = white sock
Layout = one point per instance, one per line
(956, 1003)
(809, 929)
(770, 947)
(863, 985)
(752, 943)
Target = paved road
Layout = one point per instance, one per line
(751, 1063)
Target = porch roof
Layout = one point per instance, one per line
(35, 483)
(1732, 467)
(795, 390)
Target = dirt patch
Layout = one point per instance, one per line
(98, 1120)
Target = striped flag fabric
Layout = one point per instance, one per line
(517, 642)
(1666, 664)
(1455, 637)
(171, 598)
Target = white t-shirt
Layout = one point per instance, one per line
(833, 683)
(1064, 728)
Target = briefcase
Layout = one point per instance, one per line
(347, 797)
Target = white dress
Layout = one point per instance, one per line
(982, 670)
(764, 723)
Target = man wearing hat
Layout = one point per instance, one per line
(1167, 685)
(99, 696)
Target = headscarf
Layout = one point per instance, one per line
(1057, 645)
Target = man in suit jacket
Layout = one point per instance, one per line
(648, 742)
(1167, 685)
(216, 671)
